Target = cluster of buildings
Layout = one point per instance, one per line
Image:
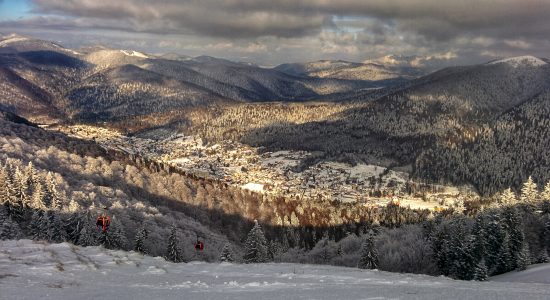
(275, 173)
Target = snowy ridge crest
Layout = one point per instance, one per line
(12, 38)
(134, 53)
(519, 61)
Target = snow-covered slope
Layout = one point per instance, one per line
(539, 273)
(339, 69)
(31, 270)
(14, 43)
(521, 61)
(108, 58)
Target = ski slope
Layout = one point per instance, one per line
(539, 273)
(32, 270)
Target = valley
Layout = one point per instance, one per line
(274, 149)
(279, 173)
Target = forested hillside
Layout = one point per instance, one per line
(48, 83)
(52, 187)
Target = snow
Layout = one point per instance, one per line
(12, 39)
(518, 61)
(33, 270)
(255, 187)
(539, 273)
(134, 53)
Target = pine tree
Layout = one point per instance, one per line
(37, 226)
(226, 255)
(480, 238)
(494, 240)
(508, 197)
(480, 272)
(9, 230)
(173, 251)
(88, 235)
(369, 255)
(16, 192)
(529, 192)
(37, 198)
(73, 206)
(4, 191)
(504, 262)
(139, 241)
(339, 250)
(73, 226)
(546, 193)
(513, 227)
(52, 197)
(54, 227)
(256, 245)
(21, 184)
(31, 173)
(543, 257)
(523, 258)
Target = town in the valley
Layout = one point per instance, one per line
(279, 173)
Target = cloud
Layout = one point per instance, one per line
(434, 19)
(273, 30)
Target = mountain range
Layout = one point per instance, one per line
(47, 82)
(483, 119)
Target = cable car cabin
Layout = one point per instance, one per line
(199, 246)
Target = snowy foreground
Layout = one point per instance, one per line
(31, 270)
(539, 273)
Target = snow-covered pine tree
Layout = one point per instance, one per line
(369, 255)
(546, 193)
(480, 272)
(37, 198)
(529, 191)
(339, 250)
(493, 241)
(173, 251)
(4, 188)
(464, 262)
(523, 258)
(256, 245)
(139, 241)
(51, 195)
(73, 206)
(226, 255)
(543, 256)
(512, 225)
(17, 194)
(37, 226)
(21, 184)
(480, 238)
(508, 197)
(54, 227)
(89, 235)
(505, 259)
(9, 230)
(73, 227)
(31, 174)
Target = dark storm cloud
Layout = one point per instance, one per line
(213, 18)
(274, 31)
(251, 18)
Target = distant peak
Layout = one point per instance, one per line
(134, 53)
(526, 60)
(12, 38)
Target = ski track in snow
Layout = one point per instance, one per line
(34, 270)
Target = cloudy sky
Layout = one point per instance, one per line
(269, 32)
